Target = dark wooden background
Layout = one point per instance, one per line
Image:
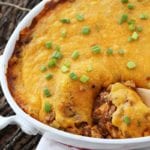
(12, 138)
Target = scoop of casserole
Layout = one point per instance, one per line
(71, 52)
(120, 112)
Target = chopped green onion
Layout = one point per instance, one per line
(132, 27)
(131, 65)
(52, 63)
(84, 79)
(47, 107)
(130, 6)
(135, 36)
(121, 51)
(47, 92)
(57, 48)
(65, 20)
(48, 45)
(86, 30)
(67, 64)
(126, 120)
(130, 39)
(49, 76)
(109, 51)
(63, 33)
(89, 68)
(139, 28)
(64, 69)
(80, 17)
(43, 68)
(96, 49)
(143, 16)
(131, 21)
(124, 1)
(57, 55)
(123, 18)
(73, 76)
(75, 55)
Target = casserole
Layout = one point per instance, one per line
(31, 125)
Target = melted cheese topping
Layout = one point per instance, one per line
(130, 105)
(102, 17)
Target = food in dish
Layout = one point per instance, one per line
(71, 67)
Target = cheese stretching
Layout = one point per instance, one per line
(72, 50)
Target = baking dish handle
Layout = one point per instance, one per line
(4, 121)
(24, 125)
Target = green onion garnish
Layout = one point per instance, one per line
(67, 64)
(47, 107)
(143, 16)
(131, 65)
(126, 120)
(132, 27)
(96, 49)
(48, 45)
(49, 76)
(73, 76)
(130, 6)
(64, 69)
(109, 51)
(84, 79)
(86, 30)
(131, 21)
(64, 33)
(43, 68)
(57, 55)
(123, 18)
(130, 39)
(57, 48)
(135, 36)
(139, 28)
(80, 17)
(65, 20)
(47, 92)
(75, 55)
(52, 63)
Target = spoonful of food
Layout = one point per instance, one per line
(145, 94)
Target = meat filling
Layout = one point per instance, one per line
(112, 117)
(102, 118)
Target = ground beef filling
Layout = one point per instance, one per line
(102, 116)
(103, 110)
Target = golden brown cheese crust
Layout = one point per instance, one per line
(72, 101)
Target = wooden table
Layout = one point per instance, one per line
(12, 138)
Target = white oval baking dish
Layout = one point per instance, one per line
(33, 126)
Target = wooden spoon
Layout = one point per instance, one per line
(145, 94)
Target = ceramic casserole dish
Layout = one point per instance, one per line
(32, 126)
